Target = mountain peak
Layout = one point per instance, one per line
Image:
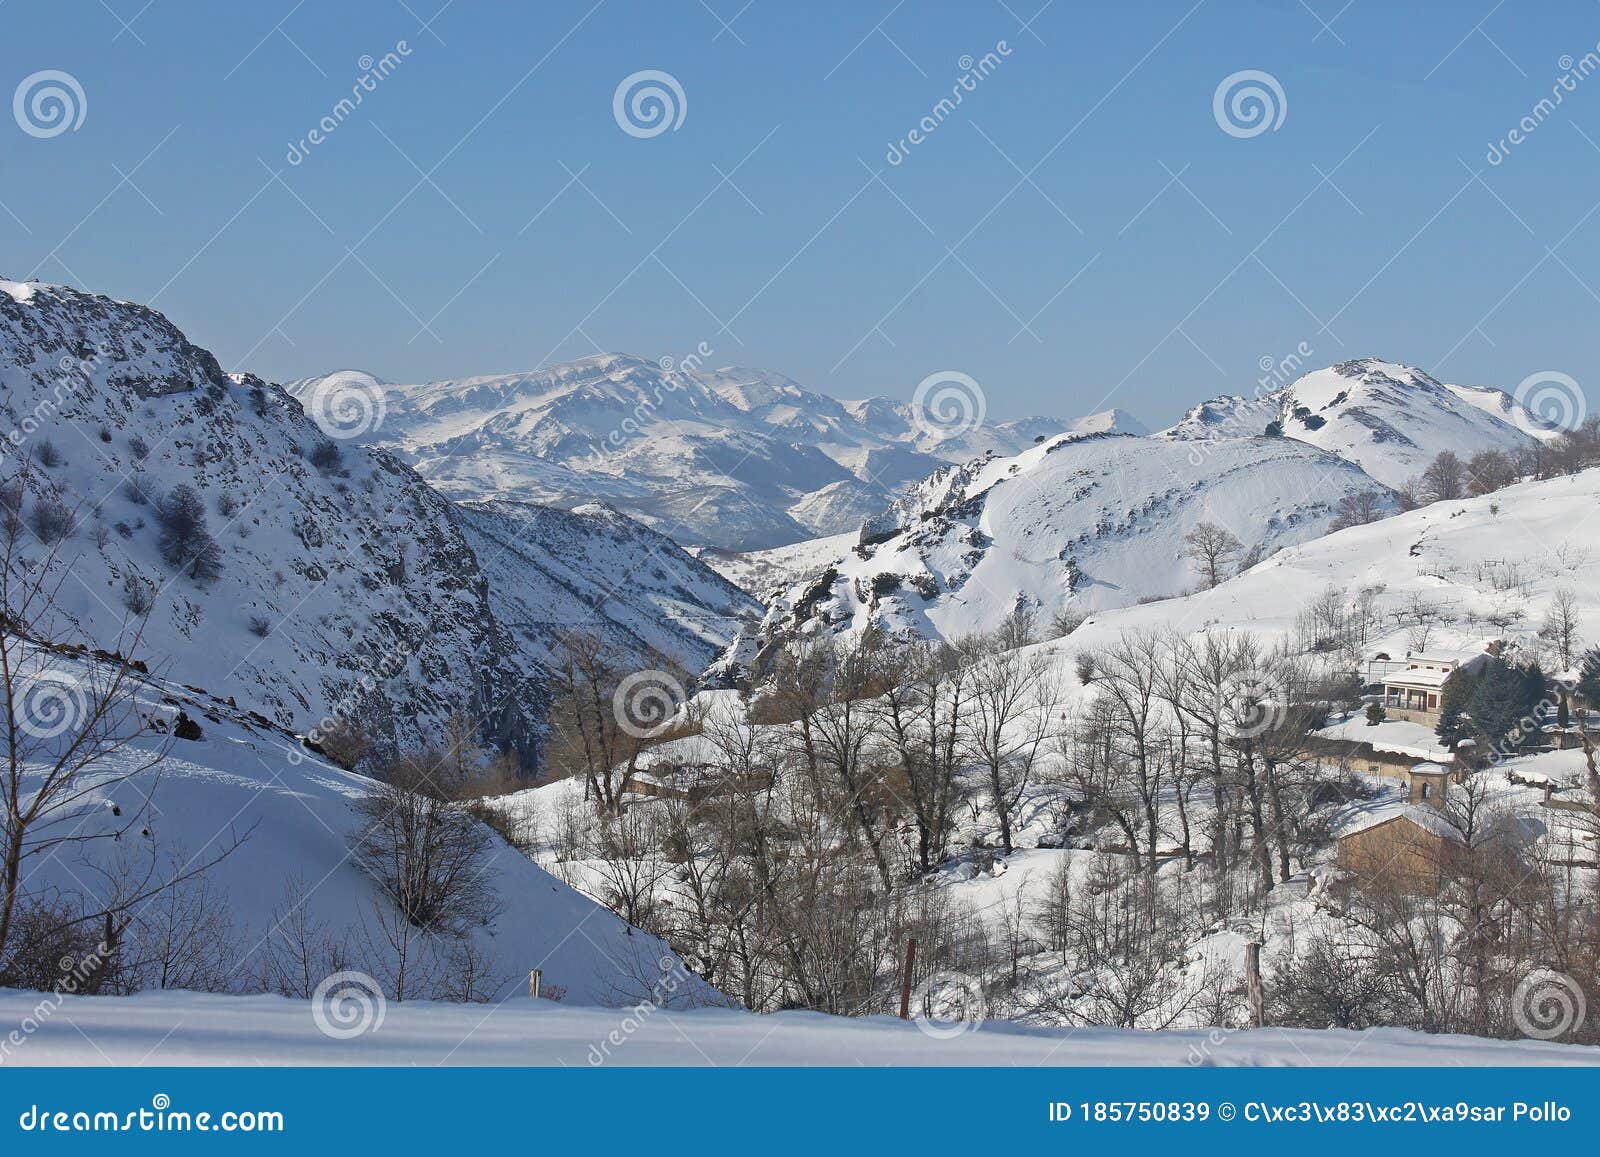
(1113, 421)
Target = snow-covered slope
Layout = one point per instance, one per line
(174, 1029)
(325, 574)
(591, 569)
(733, 458)
(1389, 419)
(1100, 522)
(346, 584)
(245, 778)
(1486, 567)
(1089, 521)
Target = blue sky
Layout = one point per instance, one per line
(1080, 232)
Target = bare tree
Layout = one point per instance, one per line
(598, 728)
(1563, 626)
(183, 937)
(841, 740)
(1420, 616)
(1488, 471)
(1211, 548)
(923, 709)
(1013, 706)
(1357, 509)
(299, 951)
(1445, 479)
(1131, 680)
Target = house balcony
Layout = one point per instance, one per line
(1413, 709)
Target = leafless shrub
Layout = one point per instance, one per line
(423, 848)
(50, 521)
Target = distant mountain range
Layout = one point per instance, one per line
(733, 458)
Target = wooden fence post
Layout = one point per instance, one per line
(534, 975)
(1252, 980)
(905, 983)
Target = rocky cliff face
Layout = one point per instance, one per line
(342, 582)
(339, 582)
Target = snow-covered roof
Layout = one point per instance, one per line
(1399, 736)
(1460, 656)
(1418, 677)
(1428, 819)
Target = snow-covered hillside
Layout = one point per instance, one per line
(1389, 419)
(1086, 521)
(1488, 567)
(343, 584)
(732, 458)
(294, 869)
(555, 571)
(1093, 523)
(1474, 572)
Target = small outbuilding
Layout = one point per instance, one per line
(1405, 847)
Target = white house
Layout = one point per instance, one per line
(1413, 691)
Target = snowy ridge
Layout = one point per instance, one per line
(1387, 418)
(554, 571)
(1089, 522)
(1491, 564)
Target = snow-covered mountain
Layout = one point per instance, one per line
(1094, 521)
(553, 571)
(1090, 521)
(343, 584)
(1389, 419)
(734, 458)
